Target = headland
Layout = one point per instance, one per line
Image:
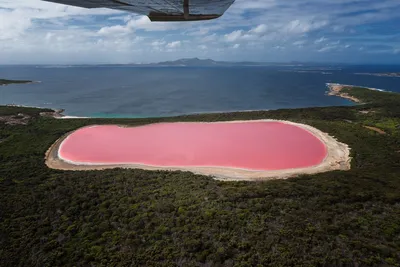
(4, 82)
(383, 74)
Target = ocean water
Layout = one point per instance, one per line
(101, 91)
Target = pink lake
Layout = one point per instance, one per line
(262, 145)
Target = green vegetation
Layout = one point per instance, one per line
(154, 218)
(6, 82)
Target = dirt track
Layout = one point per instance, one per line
(337, 159)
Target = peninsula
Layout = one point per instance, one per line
(336, 89)
(348, 91)
(384, 74)
(7, 82)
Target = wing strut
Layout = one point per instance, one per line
(186, 9)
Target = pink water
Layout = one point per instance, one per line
(246, 145)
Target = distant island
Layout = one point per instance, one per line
(194, 62)
(300, 66)
(384, 74)
(197, 62)
(7, 82)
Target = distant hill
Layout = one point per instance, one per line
(188, 62)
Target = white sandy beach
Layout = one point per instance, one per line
(337, 158)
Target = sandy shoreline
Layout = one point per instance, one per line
(335, 90)
(56, 113)
(338, 158)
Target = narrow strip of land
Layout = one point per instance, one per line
(335, 89)
(7, 82)
(386, 74)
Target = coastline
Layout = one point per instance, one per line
(335, 89)
(388, 74)
(11, 82)
(56, 113)
(337, 158)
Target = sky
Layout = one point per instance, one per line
(348, 31)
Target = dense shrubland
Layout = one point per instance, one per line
(156, 218)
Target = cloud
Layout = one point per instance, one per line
(199, 32)
(327, 48)
(209, 38)
(174, 44)
(144, 23)
(298, 26)
(13, 24)
(158, 43)
(260, 29)
(234, 36)
(278, 47)
(39, 31)
(299, 43)
(115, 30)
(202, 47)
(321, 40)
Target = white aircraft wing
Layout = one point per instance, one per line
(160, 10)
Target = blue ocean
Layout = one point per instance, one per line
(126, 91)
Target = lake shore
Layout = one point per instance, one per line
(337, 158)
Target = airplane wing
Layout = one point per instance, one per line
(160, 10)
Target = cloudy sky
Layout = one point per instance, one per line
(358, 31)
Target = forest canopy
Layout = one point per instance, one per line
(128, 217)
